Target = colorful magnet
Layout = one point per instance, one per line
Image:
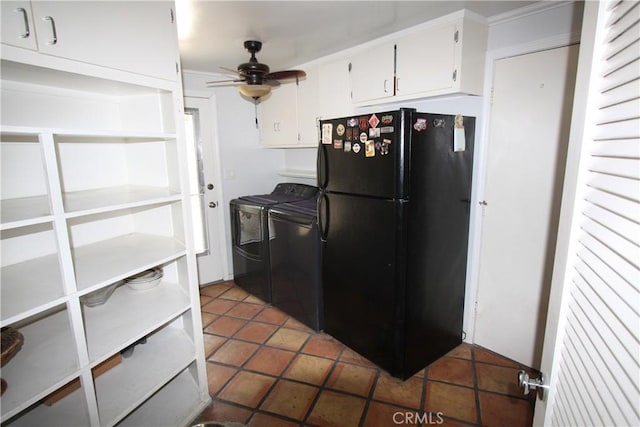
(340, 129)
(378, 145)
(374, 133)
(386, 141)
(347, 146)
(327, 130)
(363, 137)
(384, 150)
(352, 122)
(337, 143)
(374, 121)
(439, 123)
(386, 129)
(369, 149)
(420, 125)
(459, 139)
(349, 133)
(356, 148)
(364, 123)
(387, 119)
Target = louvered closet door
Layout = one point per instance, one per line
(592, 349)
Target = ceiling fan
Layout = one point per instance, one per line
(255, 77)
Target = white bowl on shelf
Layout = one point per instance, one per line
(146, 280)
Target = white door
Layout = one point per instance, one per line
(212, 259)
(528, 135)
(592, 345)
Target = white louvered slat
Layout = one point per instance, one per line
(626, 249)
(615, 166)
(619, 59)
(622, 187)
(619, 76)
(618, 10)
(624, 129)
(626, 92)
(622, 207)
(625, 39)
(614, 112)
(617, 224)
(624, 148)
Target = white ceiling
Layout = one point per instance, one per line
(295, 32)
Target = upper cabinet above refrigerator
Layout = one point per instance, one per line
(443, 56)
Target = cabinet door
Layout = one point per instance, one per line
(372, 74)
(426, 60)
(308, 109)
(279, 116)
(131, 36)
(333, 90)
(17, 24)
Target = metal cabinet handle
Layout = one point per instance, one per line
(385, 86)
(25, 17)
(54, 33)
(212, 204)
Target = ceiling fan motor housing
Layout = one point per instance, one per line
(253, 69)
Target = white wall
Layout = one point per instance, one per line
(247, 167)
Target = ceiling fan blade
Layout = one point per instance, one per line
(273, 83)
(224, 82)
(231, 70)
(285, 74)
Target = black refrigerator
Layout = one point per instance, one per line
(394, 224)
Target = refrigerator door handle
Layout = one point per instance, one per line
(323, 220)
(322, 165)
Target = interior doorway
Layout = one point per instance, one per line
(528, 135)
(211, 256)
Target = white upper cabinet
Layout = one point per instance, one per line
(372, 74)
(279, 116)
(308, 91)
(440, 57)
(426, 60)
(17, 24)
(139, 37)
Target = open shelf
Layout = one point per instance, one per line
(125, 317)
(164, 409)
(109, 199)
(123, 388)
(69, 411)
(23, 211)
(108, 261)
(47, 358)
(29, 287)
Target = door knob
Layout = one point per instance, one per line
(212, 204)
(210, 186)
(527, 384)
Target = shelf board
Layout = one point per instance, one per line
(69, 411)
(127, 385)
(176, 402)
(24, 211)
(130, 314)
(298, 173)
(29, 287)
(47, 358)
(110, 199)
(29, 134)
(108, 261)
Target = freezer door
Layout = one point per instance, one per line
(360, 266)
(364, 155)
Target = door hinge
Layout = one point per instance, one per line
(173, 17)
(350, 67)
(455, 36)
(455, 75)
(177, 68)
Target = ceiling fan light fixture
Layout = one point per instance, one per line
(254, 91)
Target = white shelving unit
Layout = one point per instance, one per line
(93, 190)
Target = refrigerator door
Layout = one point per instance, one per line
(360, 269)
(438, 230)
(365, 155)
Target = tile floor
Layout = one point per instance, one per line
(267, 369)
